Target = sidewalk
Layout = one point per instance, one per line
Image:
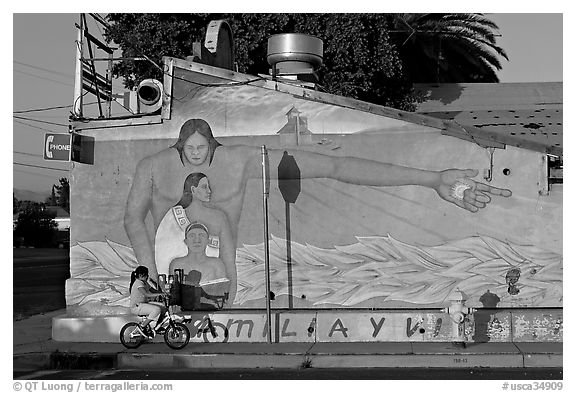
(34, 349)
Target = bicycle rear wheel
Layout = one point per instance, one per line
(177, 335)
(215, 332)
(130, 337)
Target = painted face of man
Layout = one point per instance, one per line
(196, 149)
(197, 239)
(203, 191)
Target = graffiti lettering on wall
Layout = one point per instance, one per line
(342, 327)
(322, 328)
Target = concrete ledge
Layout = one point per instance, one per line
(31, 361)
(415, 360)
(543, 360)
(89, 329)
(542, 354)
(292, 356)
(83, 361)
(214, 360)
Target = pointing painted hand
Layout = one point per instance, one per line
(456, 186)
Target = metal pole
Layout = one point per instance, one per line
(297, 129)
(265, 193)
(109, 78)
(77, 105)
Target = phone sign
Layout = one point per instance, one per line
(57, 147)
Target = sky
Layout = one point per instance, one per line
(43, 77)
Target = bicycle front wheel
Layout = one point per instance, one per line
(130, 337)
(177, 335)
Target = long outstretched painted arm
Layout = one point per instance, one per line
(353, 170)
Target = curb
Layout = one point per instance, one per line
(209, 361)
(83, 361)
(65, 361)
(132, 360)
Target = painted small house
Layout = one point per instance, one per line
(375, 218)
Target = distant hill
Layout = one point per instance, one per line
(26, 195)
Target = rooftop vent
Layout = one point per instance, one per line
(149, 95)
(295, 56)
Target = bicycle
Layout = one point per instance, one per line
(176, 333)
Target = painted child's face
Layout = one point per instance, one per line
(197, 239)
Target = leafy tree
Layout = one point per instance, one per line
(36, 225)
(52, 200)
(63, 194)
(359, 59)
(372, 57)
(447, 48)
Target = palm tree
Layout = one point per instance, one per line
(447, 48)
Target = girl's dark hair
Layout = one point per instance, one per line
(192, 180)
(190, 127)
(139, 271)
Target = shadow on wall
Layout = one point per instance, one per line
(482, 317)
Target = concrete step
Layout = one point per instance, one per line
(295, 356)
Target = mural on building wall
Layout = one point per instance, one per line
(357, 238)
(157, 187)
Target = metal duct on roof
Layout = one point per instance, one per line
(294, 53)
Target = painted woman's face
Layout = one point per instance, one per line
(196, 149)
(203, 191)
(197, 239)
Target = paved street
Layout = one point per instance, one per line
(302, 374)
(39, 278)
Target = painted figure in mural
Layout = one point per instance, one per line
(140, 294)
(197, 239)
(193, 206)
(512, 277)
(156, 185)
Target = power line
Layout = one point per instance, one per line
(43, 69)
(50, 108)
(29, 154)
(41, 121)
(33, 173)
(44, 109)
(42, 167)
(44, 78)
(39, 128)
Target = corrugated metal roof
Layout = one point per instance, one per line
(485, 96)
(525, 115)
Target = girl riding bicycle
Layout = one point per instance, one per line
(140, 293)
